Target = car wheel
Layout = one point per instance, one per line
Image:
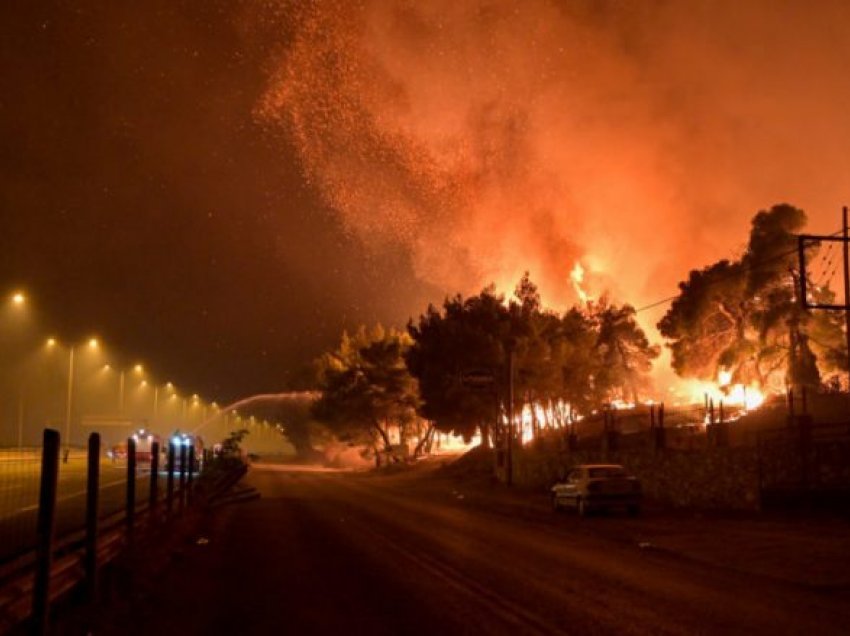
(582, 508)
(633, 511)
(555, 505)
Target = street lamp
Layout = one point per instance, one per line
(18, 298)
(138, 369)
(51, 343)
(168, 386)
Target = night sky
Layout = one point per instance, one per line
(142, 201)
(220, 187)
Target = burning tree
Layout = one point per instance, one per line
(742, 318)
(624, 354)
(564, 365)
(366, 389)
(468, 334)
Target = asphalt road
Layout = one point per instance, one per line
(19, 488)
(419, 554)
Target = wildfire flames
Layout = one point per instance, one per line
(737, 397)
(577, 278)
(493, 138)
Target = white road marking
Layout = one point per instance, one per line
(79, 493)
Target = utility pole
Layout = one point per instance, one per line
(844, 235)
(509, 459)
(844, 239)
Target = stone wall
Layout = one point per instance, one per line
(722, 478)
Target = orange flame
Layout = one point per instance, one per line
(577, 278)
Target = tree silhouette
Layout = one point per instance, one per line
(366, 388)
(744, 316)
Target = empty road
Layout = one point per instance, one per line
(425, 553)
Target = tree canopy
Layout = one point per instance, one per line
(564, 365)
(366, 387)
(744, 316)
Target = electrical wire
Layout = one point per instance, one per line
(778, 257)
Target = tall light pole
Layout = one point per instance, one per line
(70, 396)
(18, 301)
(93, 344)
(20, 420)
(139, 370)
(168, 386)
(121, 393)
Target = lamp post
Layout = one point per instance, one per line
(139, 370)
(17, 302)
(93, 344)
(121, 393)
(70, 397)
(168, 386)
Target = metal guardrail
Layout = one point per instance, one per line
(31, 582)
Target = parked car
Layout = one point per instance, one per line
(590, 487)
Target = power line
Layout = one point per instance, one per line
(663, 301)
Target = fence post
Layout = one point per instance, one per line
(44, 530)
(571, 436)
(92, 494)
(153, 492)
(660, 432)
(131, 488)
(182, 500)
(169, 481)
(190, 478)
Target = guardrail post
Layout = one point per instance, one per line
(153, 492)
(131, 488)
(92, 493)
(182, 501)
(190, 478)
(169, 481)
(44, 530)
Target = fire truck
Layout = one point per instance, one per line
(187, 440)
(144, 446)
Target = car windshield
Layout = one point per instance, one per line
(606, 472)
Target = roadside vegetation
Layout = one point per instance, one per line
(227, 460)
(385, 390)
(744, 316)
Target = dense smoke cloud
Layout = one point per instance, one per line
(493, 137)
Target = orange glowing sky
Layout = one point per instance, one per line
(490, 138)
(228, 185)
